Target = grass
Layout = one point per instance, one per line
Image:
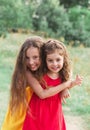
(81, 95)
(78, 104)
(4, 96)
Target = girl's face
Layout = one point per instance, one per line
(54, 62)
(33, 58)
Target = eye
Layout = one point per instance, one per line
(58, 59)
(36, 57)
(27, 57)
(49, 60)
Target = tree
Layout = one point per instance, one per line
(8, 15)
(51, 18)
(71, 3)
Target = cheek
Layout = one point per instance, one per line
(48, 65)
(27, 63)
(61, 63)
(38, 62)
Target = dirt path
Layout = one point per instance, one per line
(74, 123)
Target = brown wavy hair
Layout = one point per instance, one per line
(49, 47)
(19, 81)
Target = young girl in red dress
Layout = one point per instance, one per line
(46, 113)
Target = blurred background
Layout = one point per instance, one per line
(65, 20)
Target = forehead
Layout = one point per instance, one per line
(32, 51)
(55, 54)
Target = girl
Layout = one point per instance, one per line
(46, 110)
(27, 63)
(20, 92)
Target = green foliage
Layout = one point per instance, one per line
(79, 18)
(71, 3)
(51, 18)
(15, 14)
(48, 17)
(24, 16)
(7, 15)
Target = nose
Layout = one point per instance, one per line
(31, 62)
(54, 63)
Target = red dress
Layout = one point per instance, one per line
(46, 114)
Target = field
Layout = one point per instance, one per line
(77, 105)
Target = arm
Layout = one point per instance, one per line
(44, 93)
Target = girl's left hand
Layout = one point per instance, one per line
(64, 94)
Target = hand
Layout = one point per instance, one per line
(64, 94)
(77, 81)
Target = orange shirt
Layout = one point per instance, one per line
(15, 121)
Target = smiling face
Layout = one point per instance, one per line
(54, 62)
(33, 58)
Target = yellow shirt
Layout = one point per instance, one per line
(15, 121)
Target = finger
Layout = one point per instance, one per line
(64, 101)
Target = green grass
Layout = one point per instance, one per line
(9, 48)
(4, 96)
(81, 95)
(78, 104)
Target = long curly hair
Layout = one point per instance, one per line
(19, 81)
(48, 48)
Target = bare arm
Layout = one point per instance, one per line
(44, 93)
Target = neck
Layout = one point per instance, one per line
(53, 75)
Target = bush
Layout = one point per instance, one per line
(79, 18)
(52, 18)
(7, 15)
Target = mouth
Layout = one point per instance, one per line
(55, 68)
(33, 67)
